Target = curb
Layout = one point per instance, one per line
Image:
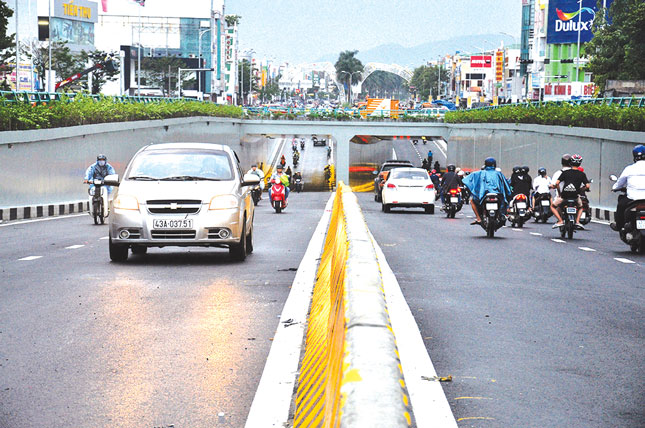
(38, 211)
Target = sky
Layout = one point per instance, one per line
(305, 30)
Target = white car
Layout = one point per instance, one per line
(408, 188)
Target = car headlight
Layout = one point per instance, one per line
(126, 202)
(223, 202)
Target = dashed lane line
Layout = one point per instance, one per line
(29, 258)
(586, 249)
(622, 260)
(560, 241)
(536, 234)
(518, 230)
(74, 247)
(105, 237)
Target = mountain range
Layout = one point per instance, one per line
(414, 56)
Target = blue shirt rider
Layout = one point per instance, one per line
(488, 180)
(99, 169)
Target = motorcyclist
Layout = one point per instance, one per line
(573, 180)
(488, 180)
(424, 164)
(449, 180)
(296, 156)
(288, 172)
(541, 184)
(437, 166)
(283, 161)
(633, 179)
(566, 164)
(521, 182)
(435, 180)
(429, 157)
(99, 169)
(255, 171)
(283, 178)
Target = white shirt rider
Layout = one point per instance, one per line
(633, 178)
(556, 176)
(259, 173)
(541, 184)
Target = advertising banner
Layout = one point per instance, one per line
(74, 32)
(499, 66)
(77, 10)
(568, 17)
(481, 61)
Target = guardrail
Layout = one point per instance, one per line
(293, 113)
(30, 97)
(350, 375)
(613, 101)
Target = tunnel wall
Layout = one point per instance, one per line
(604, 151)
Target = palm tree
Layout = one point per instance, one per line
(348, 68)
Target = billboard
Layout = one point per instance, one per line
(77, 10)
(481, 61)
(74, 32)
(568, 17)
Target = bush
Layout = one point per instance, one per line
(83, 110)
(585, 116)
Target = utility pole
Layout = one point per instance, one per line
(578, 59)
(17, 50)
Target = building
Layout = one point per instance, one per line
(23, 23)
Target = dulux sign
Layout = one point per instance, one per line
(568, 17)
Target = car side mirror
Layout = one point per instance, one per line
(111, 180)
(612, 177)
(250, 180)
(375, 172)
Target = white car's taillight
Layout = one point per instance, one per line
(430, 187)
(391, 186)
(223, 202)
(126, 202)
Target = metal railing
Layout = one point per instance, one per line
(612, 101)
(341, 114)
(31, 97)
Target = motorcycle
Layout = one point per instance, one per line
(542, 208)
(585, 218)
(296, 158)
(278, 196)
(453, 202)
(491, 213)
(297, 185)
(256, 194)
(632, 231)
(302, 144)
(518, 211)
(415, 141)
(98, 201)
(570, 211)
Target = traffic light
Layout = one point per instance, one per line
(566, 61)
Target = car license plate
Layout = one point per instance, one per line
(572, 210)
(491, 206)
(454, 200)
(172, 224)
(521, 205)
(640, 224)
(545, 203)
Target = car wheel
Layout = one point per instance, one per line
(238, 251)
(375, 197)
(139, 250)
(249, 241)
(118, 252)
(386, 208)
(429, 209)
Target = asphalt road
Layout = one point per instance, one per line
(175, 338)
(311, 163)
(535, 332)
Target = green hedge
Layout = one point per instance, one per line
(585, 116)
(85, 111)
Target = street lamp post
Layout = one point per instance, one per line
(199, 75)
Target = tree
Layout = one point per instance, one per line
(617, 50)
(384, 84)
(232, 20)
(424, 80)
(102, 75)
(64, 63)
(6, 42)
(159, 71)
(245, 70)
(348, 68)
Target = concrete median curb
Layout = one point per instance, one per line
(38, 211)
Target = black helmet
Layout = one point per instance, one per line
(279, 166)
(566, 159)
(101, 157)
(516, 169)
(490, 162)
(576, 160)
(639, 152)
(451, 167)
(525, 169)
(542, 171)
(254, 165)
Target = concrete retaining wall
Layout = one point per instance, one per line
(604, 151)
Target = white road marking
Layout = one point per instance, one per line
(74, 247)
(518, 230)
(441, 149)
(586, 249)
(620, 259)
(394, 154)
(105, 237)
(428, 400)
(270, 407)
(599, 221)
(469, 216)
(559, 241)
(536, 234)
(28, 258)
(41, 219)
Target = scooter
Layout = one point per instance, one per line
(256, 194)
(278, 196)
(632, 231)
(453, 202)
(98, 199)
(542, 208)
(302, 144)
(585, 217)
(518, 211)
(491, 214)
(297, 185)
(570, 211)
(296, 158)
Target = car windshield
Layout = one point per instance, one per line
(181, 165)
(410, 175)
(392, 166)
